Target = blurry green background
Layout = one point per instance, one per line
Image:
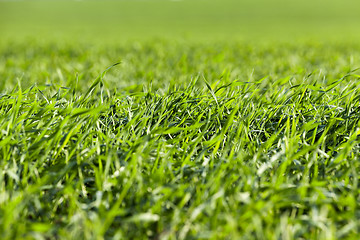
(126, 20)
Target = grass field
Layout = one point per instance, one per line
(179, 119)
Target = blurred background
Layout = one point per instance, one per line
(205, 20)
(54, 42)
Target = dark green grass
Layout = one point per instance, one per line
(180, 141)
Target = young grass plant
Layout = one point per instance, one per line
(268, 157)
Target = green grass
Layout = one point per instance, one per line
(196, 129)
(102, 21)
(218, 141)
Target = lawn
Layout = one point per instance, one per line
(179, 119)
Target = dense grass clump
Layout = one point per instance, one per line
(187, 143)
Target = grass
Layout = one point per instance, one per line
(225, 153)
(228, 126)
(201, 19)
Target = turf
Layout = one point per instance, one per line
(201, 19)
(228, 152)
(176, 137)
